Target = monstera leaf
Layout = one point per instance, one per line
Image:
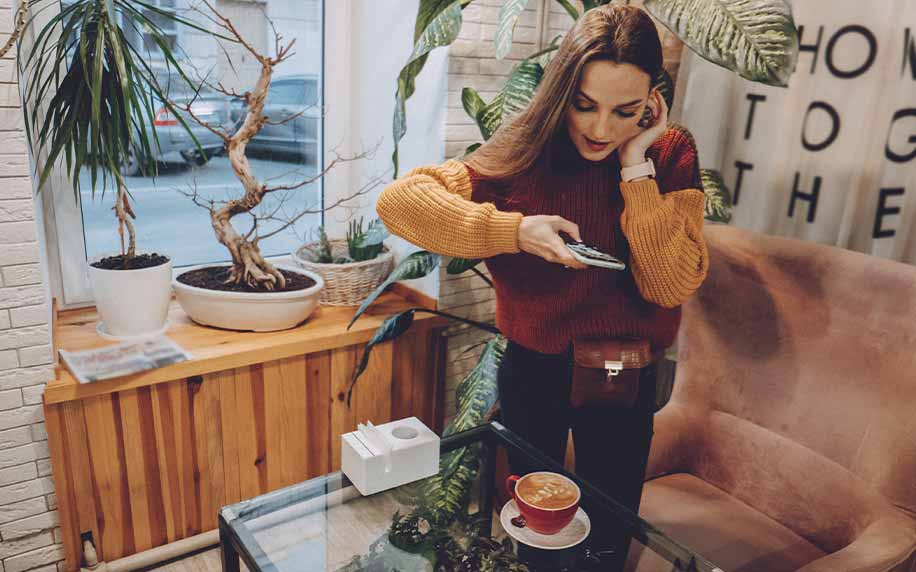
(417, 265)
(438, 23)
(755, 38)
(718, 197)
(508, 17)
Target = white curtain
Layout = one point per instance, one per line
(837, 148)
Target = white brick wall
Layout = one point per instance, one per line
(28, 521)
(472, 63)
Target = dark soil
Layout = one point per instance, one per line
(214, 278)
(122, 262)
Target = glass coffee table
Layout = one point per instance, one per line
(447, 522)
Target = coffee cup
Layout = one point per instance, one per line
(547, 501)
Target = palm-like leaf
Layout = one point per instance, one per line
(508, 17)
(417, 265)
(438, 23)
(718, 197)
(570, 9)
(755, 38)
(88, 92)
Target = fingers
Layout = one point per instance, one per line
(569, 227)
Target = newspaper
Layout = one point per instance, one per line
(123, 359)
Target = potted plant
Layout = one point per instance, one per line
(351, 268)
(251, 293)
(88, 96)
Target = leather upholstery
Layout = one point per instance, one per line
(795, 396)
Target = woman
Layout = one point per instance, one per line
(556, 169)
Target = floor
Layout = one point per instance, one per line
(207, 561)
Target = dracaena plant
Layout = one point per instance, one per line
(88, 93)
(756, 39)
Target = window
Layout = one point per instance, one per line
(169, 27)
(167, 220)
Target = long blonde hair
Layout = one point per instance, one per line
(621, 34)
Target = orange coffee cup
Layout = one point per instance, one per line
(547, 501)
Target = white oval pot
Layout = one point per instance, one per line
(257, 311)
(132, 303)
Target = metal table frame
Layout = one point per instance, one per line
(236, 541)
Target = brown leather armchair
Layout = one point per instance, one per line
(789, 442)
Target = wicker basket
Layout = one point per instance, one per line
(350, 283)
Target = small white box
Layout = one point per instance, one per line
(414, 455)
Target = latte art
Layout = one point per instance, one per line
(547, 491)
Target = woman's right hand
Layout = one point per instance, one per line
(540, 235)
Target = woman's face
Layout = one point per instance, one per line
(606, 107)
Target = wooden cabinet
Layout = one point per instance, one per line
(149, 459)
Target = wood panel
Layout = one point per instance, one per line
(145, 466)
(220, 350)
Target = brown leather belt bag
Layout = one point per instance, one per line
(606, 370)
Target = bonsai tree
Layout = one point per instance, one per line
(88, 92)
(249, 267)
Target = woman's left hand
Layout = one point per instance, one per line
(633, 151)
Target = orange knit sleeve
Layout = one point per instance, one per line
(432, 208)
(668, 254)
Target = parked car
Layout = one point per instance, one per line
(175, 143)
(288, 96)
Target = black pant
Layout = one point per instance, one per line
(611, 441)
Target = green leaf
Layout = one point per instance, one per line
(477, 393)
(393, 327)
(459, 265)
(665, 86)
(438, 23)
(570, 9)
(514, 97)
(508, 17)
(755, 38)
(444, 497)
(589, 4)
(417, 265)
(718, 197)
(472, 102)
(472, 147)
(374, 235)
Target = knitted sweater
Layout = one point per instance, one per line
(656, 226)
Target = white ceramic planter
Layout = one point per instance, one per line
(257, 311)
(132, 303)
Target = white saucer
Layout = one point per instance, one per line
(574, 532)
(101, 331)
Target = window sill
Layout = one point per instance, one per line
(216, 350)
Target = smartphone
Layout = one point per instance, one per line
(594, 257)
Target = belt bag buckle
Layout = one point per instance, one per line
(613, 369)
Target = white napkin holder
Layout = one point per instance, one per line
(379, 457)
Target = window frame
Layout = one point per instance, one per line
(63, 220)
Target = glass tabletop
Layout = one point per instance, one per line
(450, 521)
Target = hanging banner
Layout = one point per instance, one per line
(831, 158)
